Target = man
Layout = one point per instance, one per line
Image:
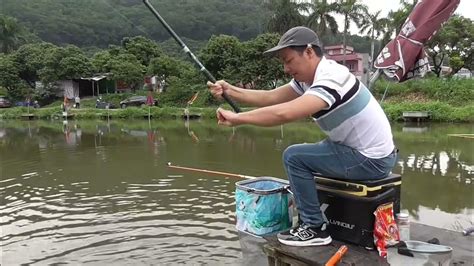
(359, 144)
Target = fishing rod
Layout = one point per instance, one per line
(324, 183)
(170, 165)
(198, 63)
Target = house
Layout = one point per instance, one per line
(84, 87)
(154, 83)
(444, 71)
(69, 88)
(358, 63)
(96, 85)
(464, 73)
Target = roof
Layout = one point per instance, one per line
(339, 46)
(341, 57)
(97, 77)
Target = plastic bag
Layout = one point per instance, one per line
(385, 229)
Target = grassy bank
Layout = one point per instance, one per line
(92, 113)
(440, 112)
(448, 100)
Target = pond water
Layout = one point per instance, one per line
(98, 192)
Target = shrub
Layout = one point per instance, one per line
(453, 91)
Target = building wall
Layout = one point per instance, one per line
(69, 88)
(358, 66)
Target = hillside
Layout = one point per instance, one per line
(103, 22)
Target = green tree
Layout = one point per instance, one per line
(10, 31)
(9, 73)
(166, 66)
(31, 58)
(285, 14)
(321, 19)
(100, 61)
(375, 28)
(397, 19)
(222, 52)
(127, 63)
(259, 71)
(10, 81)
(172, 48)
(99, 23)
(361, 44)
(353, 11)
(127, 68)
(65, 63)
(454, 41)
(144, 49)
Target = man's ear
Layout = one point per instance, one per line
(309, 51)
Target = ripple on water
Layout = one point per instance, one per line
(156, 223)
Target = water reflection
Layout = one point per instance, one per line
(87, 191)
(415, 127)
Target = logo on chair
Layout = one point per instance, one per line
(323, 208)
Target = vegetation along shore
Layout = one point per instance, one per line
(43, 53)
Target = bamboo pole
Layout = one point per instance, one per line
(467, 136)
(170, 165)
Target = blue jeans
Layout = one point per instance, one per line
(329, 159)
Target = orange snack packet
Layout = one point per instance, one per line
(385, 229)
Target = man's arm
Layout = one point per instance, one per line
(257, 98)
(278, 114)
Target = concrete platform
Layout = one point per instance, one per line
(191, 116)
(279, 254)
(63, 115)
(416, 116)
(28, 116)
(463, 251)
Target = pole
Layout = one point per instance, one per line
(333, 261)
(198, 63)
(209, 171)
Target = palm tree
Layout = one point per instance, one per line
(353, 11)
(286, 14)
(397, 19)
(9, 33)
(320, 18)
(375, 27)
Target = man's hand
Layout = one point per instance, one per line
(218, 88)
(227, 118)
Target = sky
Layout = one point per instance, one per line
(465, 9)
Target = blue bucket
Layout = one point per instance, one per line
(263, 206)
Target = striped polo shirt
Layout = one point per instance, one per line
(353, 116)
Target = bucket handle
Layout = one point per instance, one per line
(284, 188)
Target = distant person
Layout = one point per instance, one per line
(359, 144)
(64, 105)
(149, 99)
(98, 102)
(77, 102)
